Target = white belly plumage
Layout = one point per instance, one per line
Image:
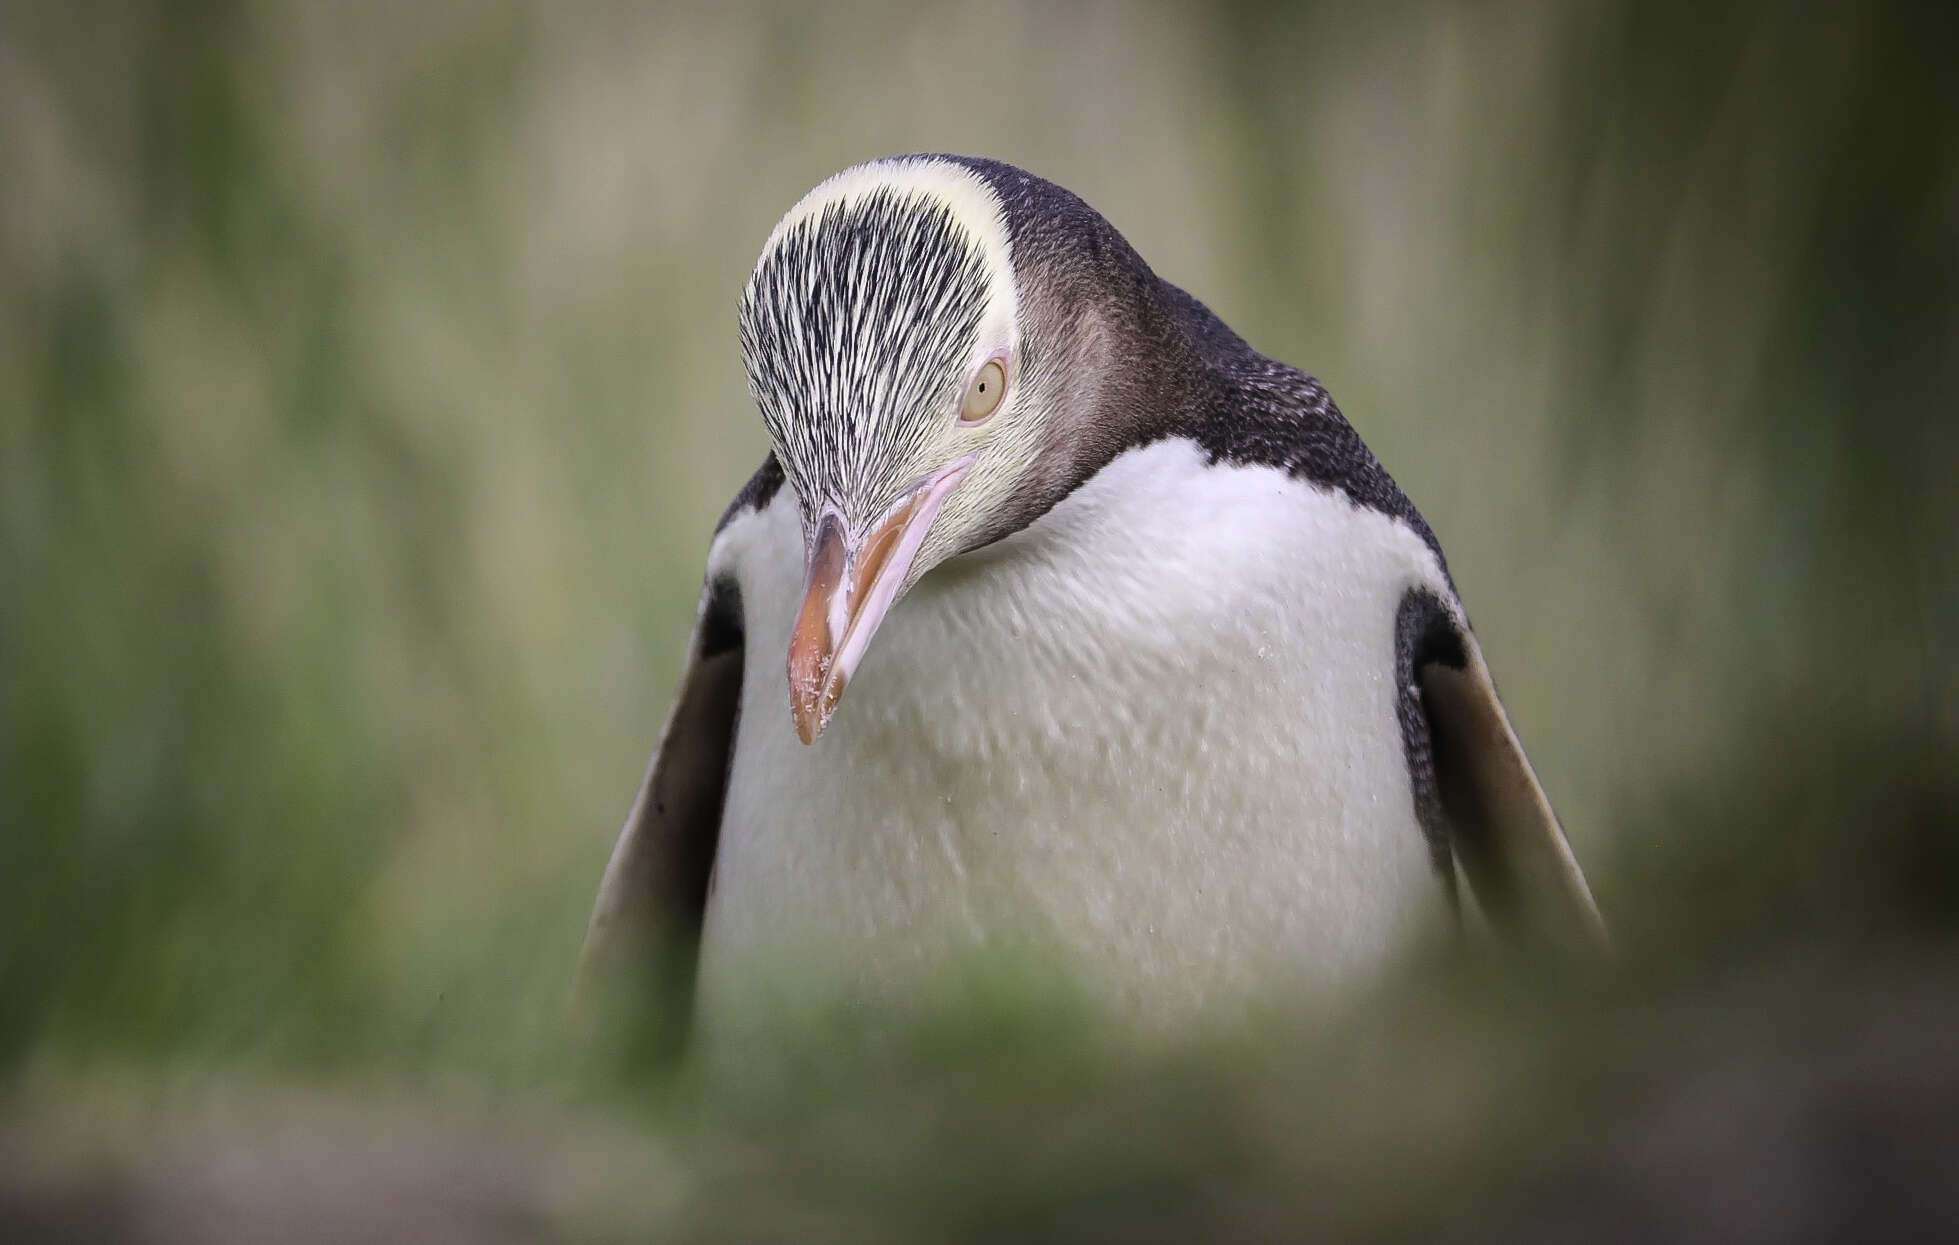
(1154, 733)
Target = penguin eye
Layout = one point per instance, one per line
(984, 394)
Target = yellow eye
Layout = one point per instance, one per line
(984, 394)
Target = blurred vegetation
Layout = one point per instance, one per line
(368, 389)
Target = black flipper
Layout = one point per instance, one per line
(1478, 798)
(646, 926)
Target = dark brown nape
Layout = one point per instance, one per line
(1127, 359)
(1099, 346)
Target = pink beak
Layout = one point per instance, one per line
(848, 588)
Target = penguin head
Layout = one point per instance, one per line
(925, 394)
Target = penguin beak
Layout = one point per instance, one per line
(848, 587)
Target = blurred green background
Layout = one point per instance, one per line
(369, 389)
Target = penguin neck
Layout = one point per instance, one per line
(1156, 374)
(1124, 371)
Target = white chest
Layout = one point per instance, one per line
(1154, 733)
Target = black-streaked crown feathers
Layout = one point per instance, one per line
(855, 323)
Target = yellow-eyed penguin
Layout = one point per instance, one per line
(1147, 658)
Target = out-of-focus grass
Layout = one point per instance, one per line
(1770, 1059)
(368, 390)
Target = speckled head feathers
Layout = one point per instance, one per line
(871, 304)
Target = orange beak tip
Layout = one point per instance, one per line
(806, 708)
(813, 702)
